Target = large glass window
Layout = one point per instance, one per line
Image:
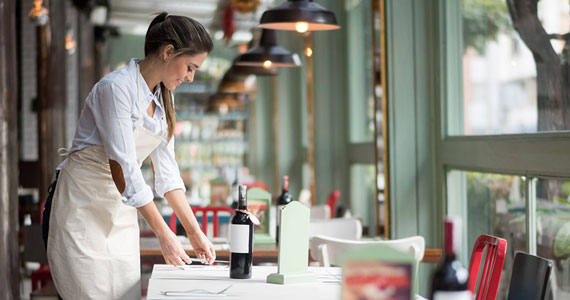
(496, 206)
(553, 231)
(507, 87)
(515, 67)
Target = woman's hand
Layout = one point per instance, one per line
(172, 250)
(203, 248)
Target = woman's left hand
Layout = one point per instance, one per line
(203, 248)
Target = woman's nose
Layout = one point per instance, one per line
(190, 77)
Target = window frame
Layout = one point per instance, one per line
(531, 155)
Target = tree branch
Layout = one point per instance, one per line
(558, 36)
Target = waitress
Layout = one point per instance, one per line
(93, 246)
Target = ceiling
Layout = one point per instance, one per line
(133, 16)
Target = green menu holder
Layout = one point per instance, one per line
(293, 260)
(370, 254)
(259, 204)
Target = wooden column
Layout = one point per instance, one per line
(42, 55)
(51, 90)
(86, 52)
(275, 127)
(9, 261)
(311, 120)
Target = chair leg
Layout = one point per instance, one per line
(324, 256)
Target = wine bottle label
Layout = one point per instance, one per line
(452, 295)
(239, 238)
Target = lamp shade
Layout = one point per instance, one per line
(252, 70)
(268, 54)
(299, 15)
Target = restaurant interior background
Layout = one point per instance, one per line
(413, 110)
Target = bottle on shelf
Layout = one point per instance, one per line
(241, 239)
(283, 199)
(450, 279)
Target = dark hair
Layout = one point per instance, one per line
(187, 36)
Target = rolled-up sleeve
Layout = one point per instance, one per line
(111, 108)
(166, 171)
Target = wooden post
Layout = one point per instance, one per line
(9, 261)
(42, 55)
(385, 119)
(310, 119)
(275, 123)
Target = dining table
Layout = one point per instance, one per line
(262, 253)
(214, 282)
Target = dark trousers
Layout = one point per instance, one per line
(47, 209)
(47, 212)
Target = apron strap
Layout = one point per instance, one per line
(64, 152)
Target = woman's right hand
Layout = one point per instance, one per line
(172, 250)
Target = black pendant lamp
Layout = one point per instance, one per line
(267, 54)
(299, 15)
(253, 70)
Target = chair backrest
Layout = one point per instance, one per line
(204, 210)
(328, 250)
(496, 250)
(529, 280)
(305, 197)
(348, 229)
(320, 212)
(332, 201)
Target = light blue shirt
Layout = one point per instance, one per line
(108, 118)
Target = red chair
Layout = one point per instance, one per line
(493, 266)
(204, 210)
(332, 201)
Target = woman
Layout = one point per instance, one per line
(93, 245)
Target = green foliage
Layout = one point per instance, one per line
(483, 20)
(562, 242)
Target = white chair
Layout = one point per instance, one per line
(327, 250)
(348, 229)
(320, 212)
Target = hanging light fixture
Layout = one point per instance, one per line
(267, 54)
(299, 15)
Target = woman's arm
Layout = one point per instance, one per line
(202, 246)
(169, 244)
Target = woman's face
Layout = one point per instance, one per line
(181, 68)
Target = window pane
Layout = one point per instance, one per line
(495, 205)
(553, 231)
(504, 89)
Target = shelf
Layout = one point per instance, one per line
(232, 116)
(208, 166)
(184, 140)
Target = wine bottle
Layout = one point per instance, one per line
(449, 281)
(283, 199)
(241, 239)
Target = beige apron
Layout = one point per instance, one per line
(93, 246)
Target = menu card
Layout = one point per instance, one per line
(375, 280)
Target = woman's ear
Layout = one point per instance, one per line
(167, 52)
